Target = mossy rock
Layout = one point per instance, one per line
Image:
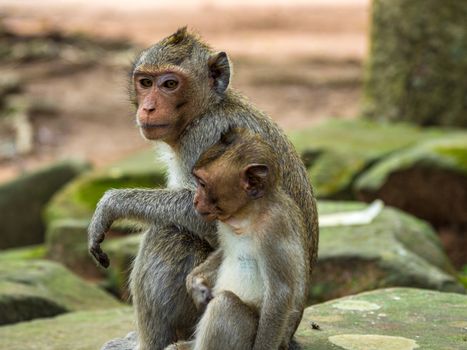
(395, 249)
(28, 195)
(387, 319)
(418, 62)
(337, 151)
(32, 252)
(32, 289)
(66, 242)
(83, 330)
(428, 180)
(78, 200)
(69, 212)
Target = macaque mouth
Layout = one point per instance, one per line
(153, 126)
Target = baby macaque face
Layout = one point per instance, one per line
(223, 191)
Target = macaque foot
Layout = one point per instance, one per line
(183, 345)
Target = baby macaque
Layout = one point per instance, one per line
(253, 287)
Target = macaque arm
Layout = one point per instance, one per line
(150, 205)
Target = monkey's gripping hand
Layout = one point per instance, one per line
(201, 293)
(161, 206)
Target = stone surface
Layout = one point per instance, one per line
(417, 62)
(428, 180)
(32, 289)
(28, 195)
(396, 249)
(127, 343)
(405, 319)
(83, 330)
(337, 151)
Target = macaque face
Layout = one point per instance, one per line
(218, 195)
(163, 101)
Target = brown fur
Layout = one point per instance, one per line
(276, 228)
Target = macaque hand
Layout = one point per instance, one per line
(201, 293)
(100, 224)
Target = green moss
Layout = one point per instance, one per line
(337, 151)
(333, 173)
(84, 330)
(463, 276)
(23, 253)
(399, 313)
(79, 198)
(448, 153)
(359, 136)
(457, 153)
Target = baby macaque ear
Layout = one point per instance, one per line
(254, 178)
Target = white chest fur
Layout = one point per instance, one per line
(240, 271)
(175, 173)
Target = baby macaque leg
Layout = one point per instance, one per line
(227, 323)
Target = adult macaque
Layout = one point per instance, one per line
(180, 88)
(257, 277)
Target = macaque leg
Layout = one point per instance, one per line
(165, 312)
(227, 323)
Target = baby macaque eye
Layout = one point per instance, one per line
(200, 182)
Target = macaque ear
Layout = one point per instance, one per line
(219, 71)
(253, 180)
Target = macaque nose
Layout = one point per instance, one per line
(149, 109)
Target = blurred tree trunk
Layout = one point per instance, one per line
(417, 69)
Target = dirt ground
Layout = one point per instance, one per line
(300, 61)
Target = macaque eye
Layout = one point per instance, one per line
(200, 182)
(145, 82)
(170, 84)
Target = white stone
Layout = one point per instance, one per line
(356, 305)
(372, 342)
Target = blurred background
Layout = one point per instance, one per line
(372, 93)
(72, 57)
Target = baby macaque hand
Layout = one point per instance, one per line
(200, 291)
